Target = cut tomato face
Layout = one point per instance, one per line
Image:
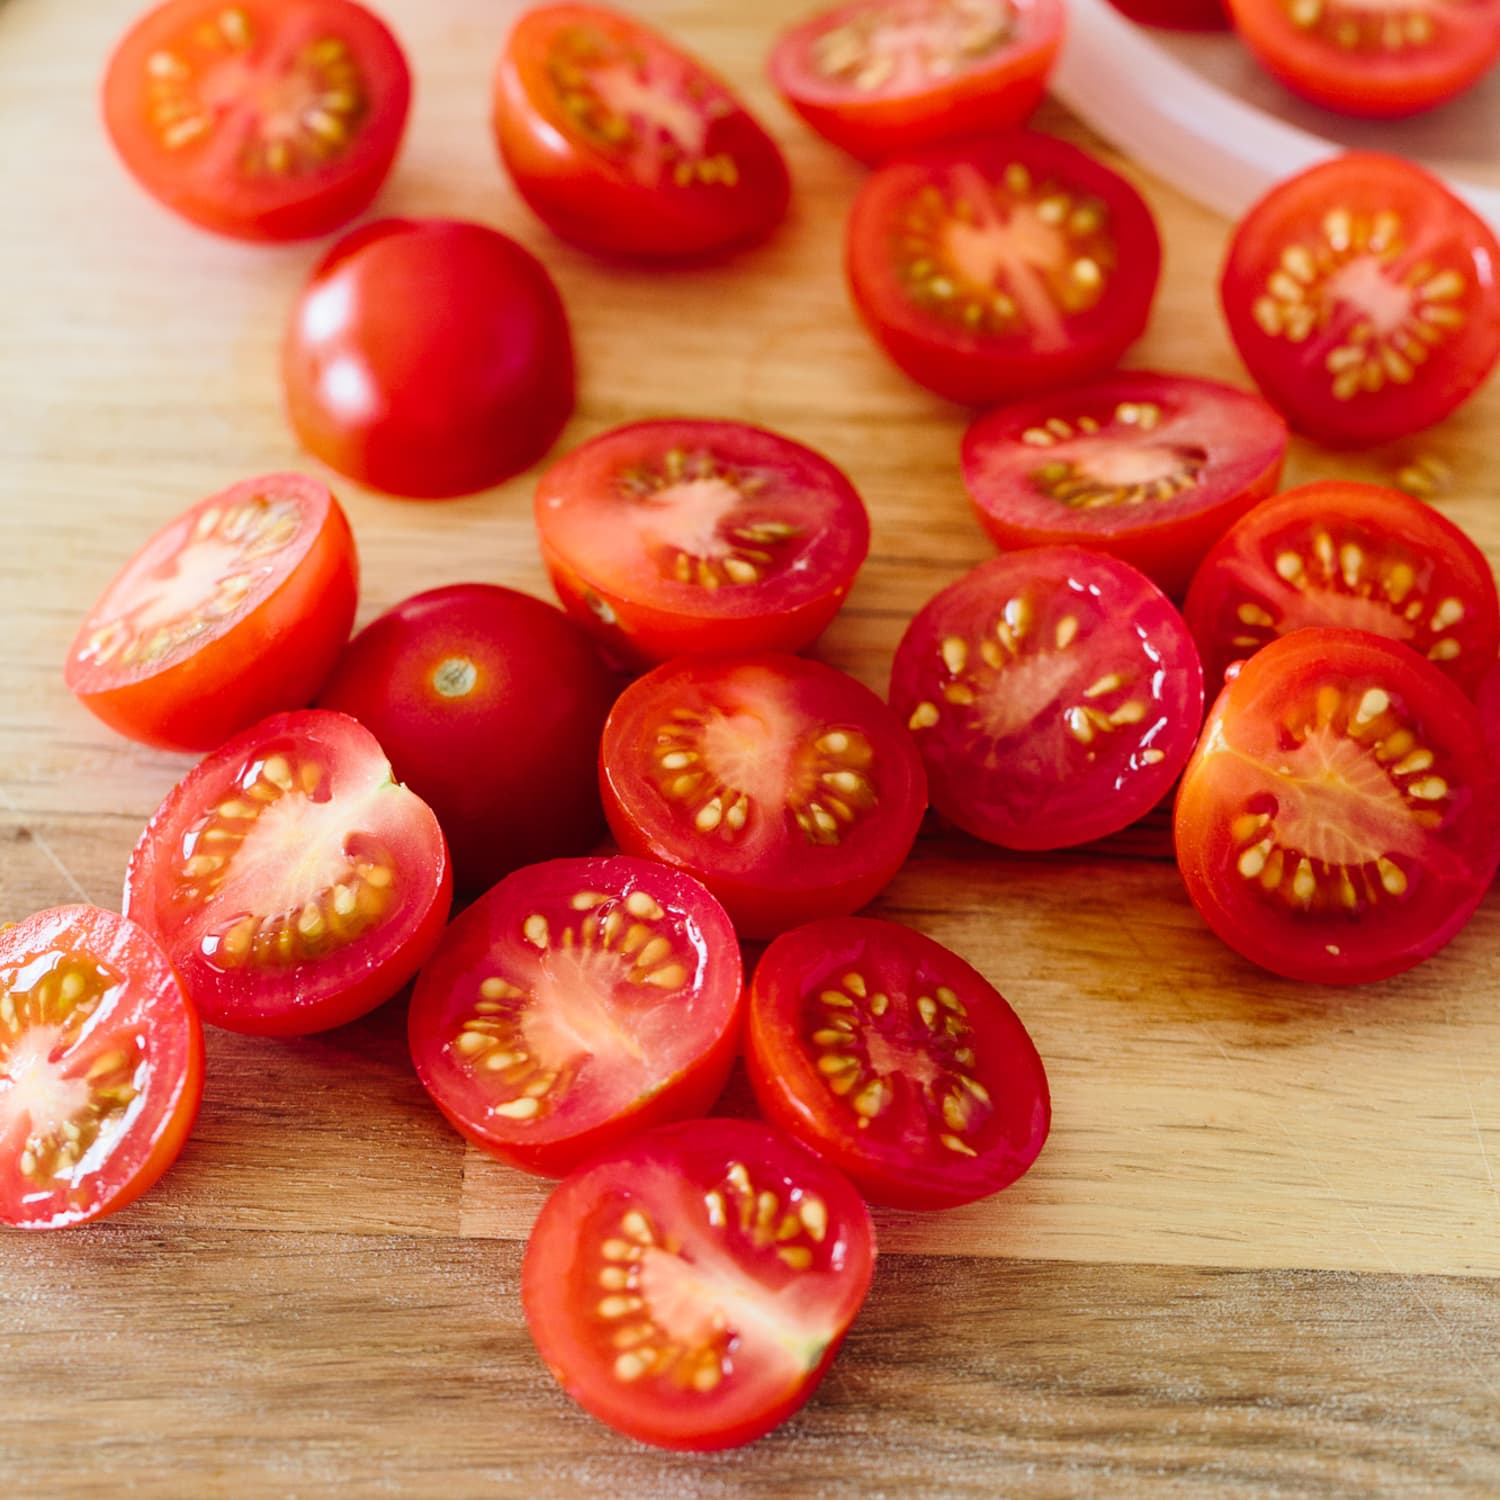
(1351, 555)
(623, 143)
(691, 1287)
(693, 538)
(997, 268)
(787, 788)
(877, 77)
(237, 608)
(292, 882)
(261, 119)
(1338, 820)
(1152, 469)
(1054, 693)
(896, 1061)
(1362, 297)
(101, 1066)
(579, 1002)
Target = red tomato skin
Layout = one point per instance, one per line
(1488, 703)
(1176, 15)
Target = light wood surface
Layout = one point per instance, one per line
(1258, 1254)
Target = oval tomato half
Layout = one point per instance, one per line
(691, 1287)
(292, 882)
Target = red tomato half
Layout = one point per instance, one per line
(292, 882)
(1055, 694)
(428, 357)
(1488, 702)
(881, 76)
(1362, 297)
(1152, 469)
(691, 1287)
(1176, 15)
(997, 268)
(261, 119)
(101, 1066)
(237, 608)
(689, 538)
(625, 144)
(896, 1061)
(1338, 820)
(790, 790)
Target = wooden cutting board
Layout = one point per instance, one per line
(1259, 1254)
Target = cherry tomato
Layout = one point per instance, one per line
(1362, 297)
(101, 1066)
(1488, 702)
(692, 1286)
(880, 76)
(261, 119)
(428, 357)
(237, 608)
(1176, 15)
(1149, 468)
(292, 882)
(787, 788)
(1055, 694)
(623, 143)
(690, 538)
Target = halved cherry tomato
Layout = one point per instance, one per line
(428, 357)
(691, 1287)
(237, 608)
(1176, 15)
(1338, 820)
(292, 882)
(1355, 555)
(999, 267)
(1488, 703)
(1362, 297)
(686, 538)
(896, 1061)
(881, 76)
(790, 790)
(579, 1002)
(101, 1066)
(261, 119)
(1149, 468)
(1055, 694)
(623, 143)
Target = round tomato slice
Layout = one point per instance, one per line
(691, 1287)
(1152, 469)
(1338, 820)
(896, 1061)
(688, 538)
(101, 1066)
(261, 119)
(880, 76)
(292, 882)
(1362, 297)
(579, 1002)
(1352, 555)
(790, 790)
(623, 143)
(1055, 695)
(996, 268)
(237, 608)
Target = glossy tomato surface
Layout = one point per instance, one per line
(1488, 703)
(1000, 267)
(896, 1061)
(1362, 297)
(579, 1002)
(1176, 15)
(101, 1066)
(622, 142)
(691, 1286)
(428, 357)
(689, 538)
(790, 790)
(1152, 469)
(1054, 693)
(293, 883)
(261, 119)
(237, 608)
